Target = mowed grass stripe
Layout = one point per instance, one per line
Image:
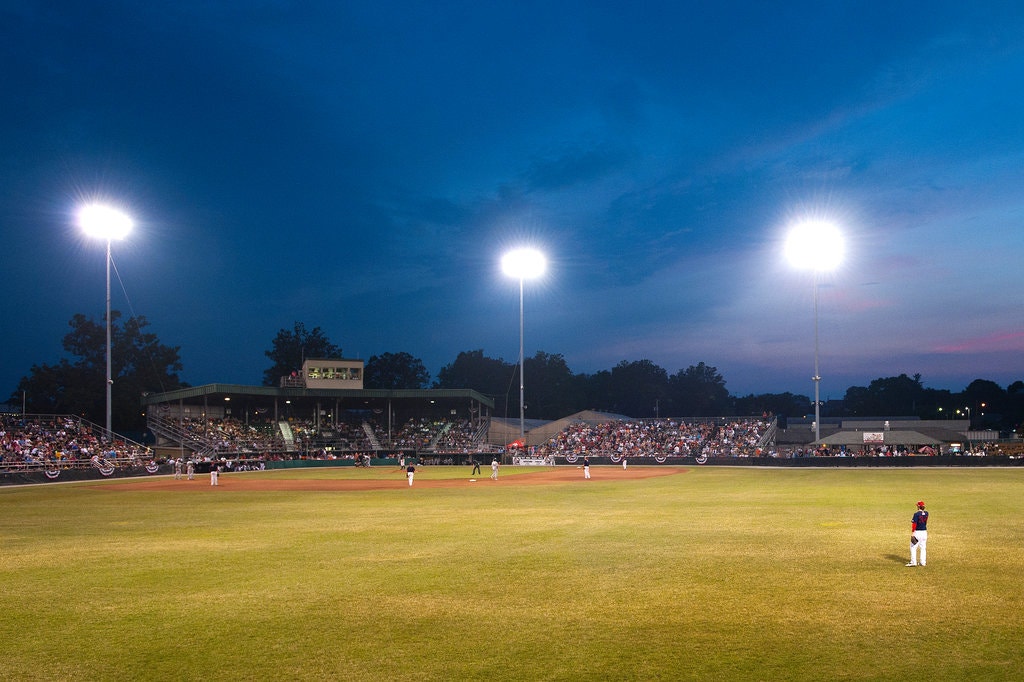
(737, 573)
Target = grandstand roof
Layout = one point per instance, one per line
(369, 396)
(889, 438)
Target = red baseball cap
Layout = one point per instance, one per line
(920, 503)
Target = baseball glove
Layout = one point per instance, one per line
(913, 540)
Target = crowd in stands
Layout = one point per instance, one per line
(658, 437)
(849, 451)
(438, 435)
(462, 436)
(1005, 449)
(415, 434)
(717, 438)
(230, 435)
(345, 435)
(343, 439)
(33, 440)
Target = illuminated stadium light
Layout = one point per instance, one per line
(815, 245)
(104, 222)
(523, 264)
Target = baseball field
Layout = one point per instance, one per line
(655, 573)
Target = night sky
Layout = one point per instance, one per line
(362, 167)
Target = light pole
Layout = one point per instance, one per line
(104, 222)
(817, 246)
(523, 264)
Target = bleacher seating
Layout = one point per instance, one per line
(658, 437)
(218, 437)
(40, 441)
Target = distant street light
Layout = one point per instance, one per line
(523, 264)
(817, 246)
(104, 222)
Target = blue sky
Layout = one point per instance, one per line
(362, 167)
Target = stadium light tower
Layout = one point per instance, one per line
(523, 264)
(817, 246)
(104, 222)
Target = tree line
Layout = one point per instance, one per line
(639, 389)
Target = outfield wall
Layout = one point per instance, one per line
(35, 476)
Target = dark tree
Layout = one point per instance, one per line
(985, 402)
(1013, 419)
(140, 364)
(490, 376)
(289, 350)
(552, 391)
(395, 370)
(65, 388)
(598, 391)
(699, 391)
(638, 389)
(786, 404)
(857, 402)
(890, 396)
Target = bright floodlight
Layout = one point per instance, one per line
(105, 222)
(815, 245)
(524, 263)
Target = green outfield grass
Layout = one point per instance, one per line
(714, 573)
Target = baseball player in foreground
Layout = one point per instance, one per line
(919, 536)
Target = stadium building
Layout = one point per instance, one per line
(322, 409)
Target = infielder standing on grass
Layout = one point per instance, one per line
(494, 469)
(586, 467)
(919, 536)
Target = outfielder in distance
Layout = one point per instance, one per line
(919, 536)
